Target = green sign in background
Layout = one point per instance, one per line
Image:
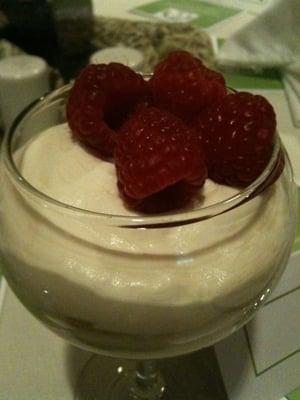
(207, 14)
(294, 395)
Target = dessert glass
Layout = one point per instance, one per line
(163, 298)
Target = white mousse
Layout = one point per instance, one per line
(195, 278)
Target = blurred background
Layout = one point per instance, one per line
(65, 33)
(68, 34)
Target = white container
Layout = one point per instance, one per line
(23, 79)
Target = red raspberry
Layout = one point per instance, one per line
(178, 60)
(100, 100)
(237, 135)
(182, 85)
(159, 163)
(143, 103)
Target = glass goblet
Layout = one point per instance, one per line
(136, 287)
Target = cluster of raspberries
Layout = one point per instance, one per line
(167, 134)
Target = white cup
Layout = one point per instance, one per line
(23, 79)
(133, 58)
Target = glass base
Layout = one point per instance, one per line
(112, 379)
(193, 377)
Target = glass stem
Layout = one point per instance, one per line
(148, 383)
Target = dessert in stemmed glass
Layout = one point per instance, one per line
(143, 219)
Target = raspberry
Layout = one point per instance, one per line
(100, 100)
(182, 85)
(159, 164)
(237, 135)
(143, 103)
(178, 60)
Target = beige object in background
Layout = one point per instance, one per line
(153, 39)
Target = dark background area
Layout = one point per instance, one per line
(59, 30)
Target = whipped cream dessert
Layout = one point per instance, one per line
(92, 280)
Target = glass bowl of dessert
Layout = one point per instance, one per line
(139, 226)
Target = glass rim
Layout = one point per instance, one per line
(176, 217)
